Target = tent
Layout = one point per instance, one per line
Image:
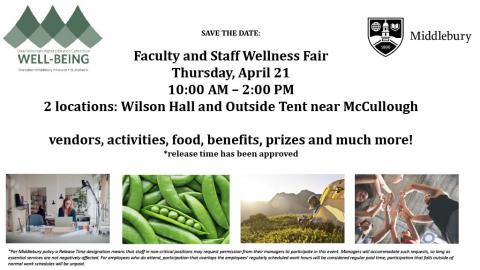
(332, 203)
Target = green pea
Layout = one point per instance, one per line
(173, 215)
(172, 218)
(197, 226)
(164, 211)
(181, 219)
(189, 222)
(155, 209)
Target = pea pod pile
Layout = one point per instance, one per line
(176, 209)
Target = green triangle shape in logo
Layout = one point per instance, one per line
(27, 23)
(78, 23)
(53, 23)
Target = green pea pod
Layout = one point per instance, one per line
(151, 178)
(125, 187)
(170, 194)
(151, 198)
(146, 186)
(162, 203)
(140, 224)
(125, 199)
(124, 178)
(183, 189)
(199, 178)
(130, 235)
(194, 194)
(227, 177)
(181, 180)
(175, 233)
(227, 239)
(220, 230)
(212, 241)
(163, 240)
(202, 215)
(136, 193)
(212, 202)
(154, 188)
(202, 231)
(194, 185)
(224, 187)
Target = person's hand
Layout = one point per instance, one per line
(382, 200)
(398, 179)
(393, 216)
(404, 214)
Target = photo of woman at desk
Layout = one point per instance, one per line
(57, 208)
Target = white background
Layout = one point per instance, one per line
(442, 77)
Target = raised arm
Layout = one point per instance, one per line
(386, 227)
(421, 219)
(393, 227)
(383, 184)
(423, 189)
(412, 229)
(402, 205)
(371, 212)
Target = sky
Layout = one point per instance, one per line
(264, 187)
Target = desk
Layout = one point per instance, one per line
(47, 235)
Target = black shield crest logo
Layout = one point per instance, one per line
(385, 34)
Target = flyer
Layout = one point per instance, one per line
(218, 134)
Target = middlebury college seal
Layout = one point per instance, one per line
(385, 34)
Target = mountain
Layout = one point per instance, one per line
(281, 204)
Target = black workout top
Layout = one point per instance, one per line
(440, 210)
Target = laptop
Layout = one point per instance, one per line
(63, 222)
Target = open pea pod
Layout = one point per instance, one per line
(187, 222)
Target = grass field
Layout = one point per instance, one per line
(285, 229)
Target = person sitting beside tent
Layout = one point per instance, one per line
(443, 210)
(314, 205)
(365, 227)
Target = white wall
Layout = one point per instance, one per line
(55, 185)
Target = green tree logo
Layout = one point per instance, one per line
(52, 27)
